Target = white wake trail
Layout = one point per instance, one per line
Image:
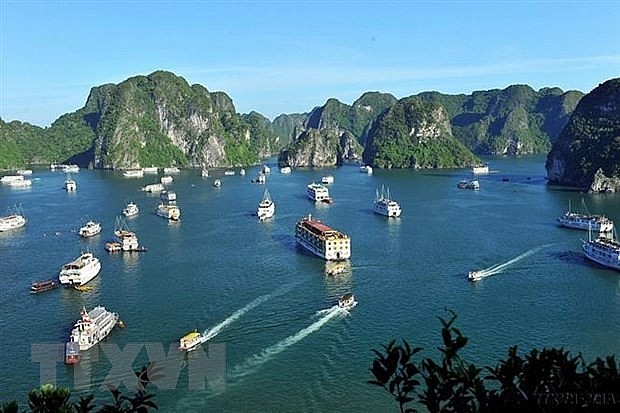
(215, 330)
(496, 269)
(251, 364)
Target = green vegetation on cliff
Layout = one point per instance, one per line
(590, 141)
(415, 133)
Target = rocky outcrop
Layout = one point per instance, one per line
(320, 148)
(415, 134)
(587, 153)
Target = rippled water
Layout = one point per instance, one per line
(269, 304)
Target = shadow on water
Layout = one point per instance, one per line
(288, 241)
(570, 257)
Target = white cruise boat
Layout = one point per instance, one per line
(285, 170)
(21, 183)
(242, 172)
(167, 196)
(12, 221)
(153, 188)
(24, 171)
(191, 340)
(166, 179)
(322, 240)
(131, 209)
(266, 169)
(471, 184)
(587, 221)
(261, 178)
(229, 172)
(347, 301)
(7, 179)
(133, 173)
(70, 184)
(366, 169)
(384, 205)
(172, 170)
(603, 250)
(266, 207)
(91, 229)
(93, 326)
(318, 193)
(168, 211)
(204, 173)
(81, 270)
(480, 169)
(127, 239)
(328, 179)
(150, 170)
(71, 168)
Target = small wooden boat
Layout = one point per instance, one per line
(72, 352)
(40, 286)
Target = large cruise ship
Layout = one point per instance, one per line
(318, 193)
(168, 211)
(384, 205)
(81, 270)
(587, 221)
(93, 326)
(322, 240)
(603, 250)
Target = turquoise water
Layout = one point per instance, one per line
(266, 303)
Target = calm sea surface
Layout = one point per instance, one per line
(221, 269)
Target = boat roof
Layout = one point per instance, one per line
(188, 336)
(347, 296)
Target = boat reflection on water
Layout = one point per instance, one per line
(337, 277)
(334, 268)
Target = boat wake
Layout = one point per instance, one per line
(251, 364)
(498, 268)
(217, 329)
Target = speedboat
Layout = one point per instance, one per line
(70, 184)
(191, 340)
(91, 228)
(347, 301)
(474, 275)
(217, 183)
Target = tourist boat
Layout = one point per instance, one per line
(12, 221)
(24, 171)
(266, 169)
(384, 205)
(81, 270)
(191, 340)
(217, 183)
(474, 275)
(285, 170)
(166, 179)
(261, 178)
(172, 170)
(603, 250)
(204, 173)
(328, 179)
(133, 173)
(131, 209)
(587, 221)
(70, 184)
(127, 239)
(40, 286)
(322, 240)
(91, 229)
(168, 196)
(347, 301)
(480, 169)
(168, 211)
(20, 183)
(318, 193)
(150, 170)
(366, 169)
(72, 352)
(7, 179)
(153, 188)
(229, 173)
(266, 207)
(242, 172)
(71, 168)
(472, 184)
(93, 326)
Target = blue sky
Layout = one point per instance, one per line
(288, 56)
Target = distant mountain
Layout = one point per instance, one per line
(512, 121)
(157, 119)
(284, 125)
(331, 134)
(587, 153)
(415, 133)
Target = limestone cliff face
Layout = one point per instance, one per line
(319, 148)
(587, 152)
(415, 134)
(161, 120)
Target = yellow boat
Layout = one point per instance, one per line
(83, 288)
(189, 341)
